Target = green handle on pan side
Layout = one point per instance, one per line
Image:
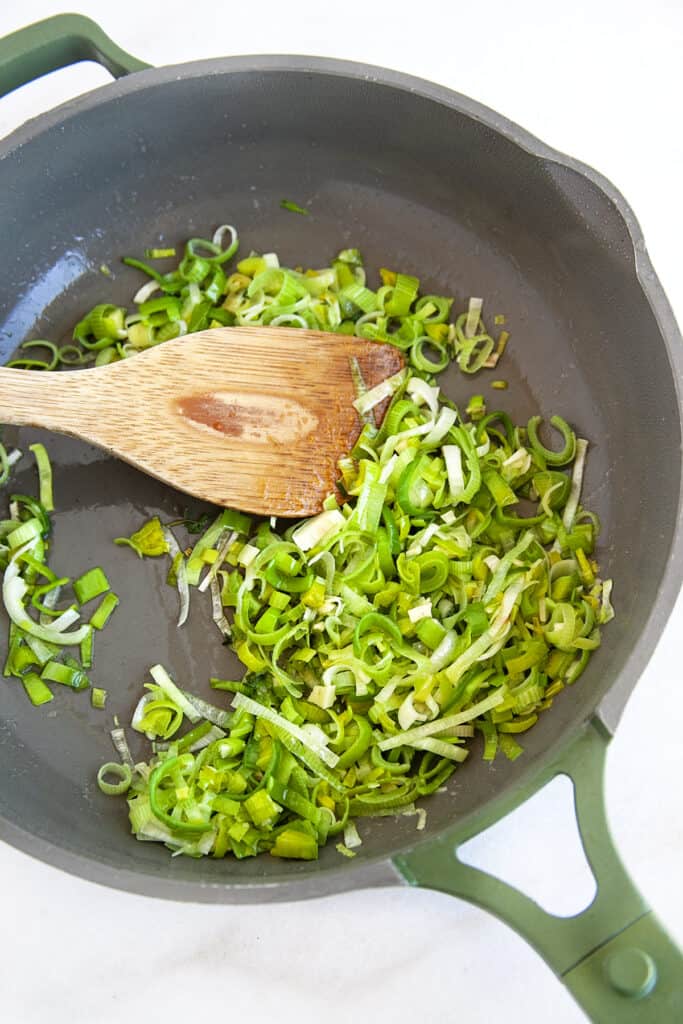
(615, 957)
(55, 43)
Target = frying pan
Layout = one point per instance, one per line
(436, 184)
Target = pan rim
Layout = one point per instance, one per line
(377, 869)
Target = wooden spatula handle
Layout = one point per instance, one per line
(56, 401)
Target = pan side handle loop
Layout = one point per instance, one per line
(615, 957)
(55, 43)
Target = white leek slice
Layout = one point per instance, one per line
(420, 611)
(318, 529)
(505, 564)
(65, 620)
(422, 392)
(139, 713)
(473, 317)
(492, 640)
(223, 548)
(577, 481)
(387, 469)
(214, 733)
(323, 696)
(456, 479)
(220, 233)
(162, 679)
(247, 555)
(444, 652)
(423, 539)
(408, 714)
(461, 731)
(422, 732)
(181, 575)
(442, 749)
(606, 613)
(385, 389)
(13, 592)
(387, 692)
(304, 736)
(217, 613)
(217, 716)
(351, 837)
(50, 601)
(516, 464)
(118, 738)
(397, 441)
(445, 421)
(146, 292)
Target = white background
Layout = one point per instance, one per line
(600, 80)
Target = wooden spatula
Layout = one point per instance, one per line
(251, 417)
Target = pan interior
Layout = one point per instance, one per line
(418, 186)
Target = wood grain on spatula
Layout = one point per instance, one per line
(250, 417)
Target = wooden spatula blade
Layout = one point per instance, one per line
(253, 418)
(276, 425)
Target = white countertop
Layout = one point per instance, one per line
(600, 80)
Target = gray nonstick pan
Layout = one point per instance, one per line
(444, 187)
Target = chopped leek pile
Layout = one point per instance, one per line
(451, 593)
(198, 294)
(40, 633)
(378, 636)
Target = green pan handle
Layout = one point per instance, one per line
(614, 957)
(55, 43)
